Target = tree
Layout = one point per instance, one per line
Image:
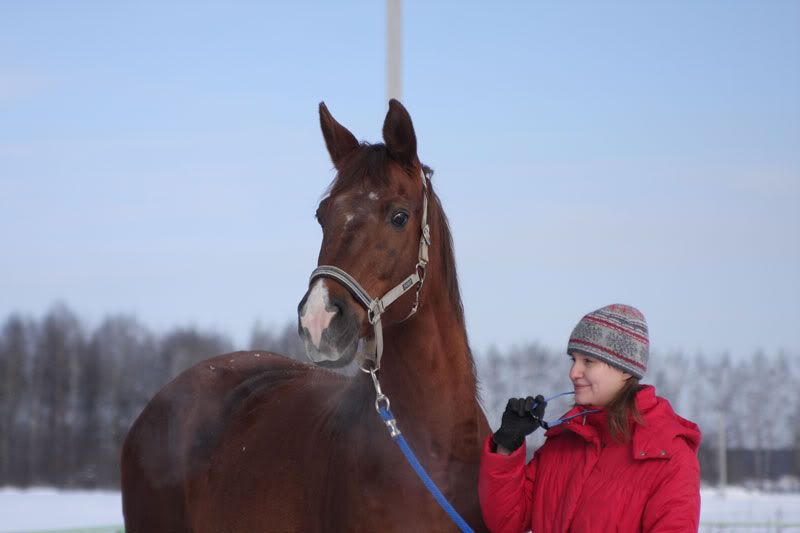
(56, 375)
(16, 351)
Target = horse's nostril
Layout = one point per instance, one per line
(301, 306)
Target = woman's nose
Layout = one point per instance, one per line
(574, 372)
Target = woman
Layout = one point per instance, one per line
(626, 462)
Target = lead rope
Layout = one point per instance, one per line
(558, 421)
(382, 406)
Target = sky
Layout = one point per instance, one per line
(165, 159)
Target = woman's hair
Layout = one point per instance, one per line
(622, 409)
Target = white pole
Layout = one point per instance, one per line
(393, 49)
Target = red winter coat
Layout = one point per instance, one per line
(581, 480)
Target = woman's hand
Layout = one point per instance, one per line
(522, 417)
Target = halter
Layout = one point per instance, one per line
(377, 306)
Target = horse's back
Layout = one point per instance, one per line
(172, 440)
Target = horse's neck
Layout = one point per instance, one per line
(428, 374)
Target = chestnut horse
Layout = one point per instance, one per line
(253, 441)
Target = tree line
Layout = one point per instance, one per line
(69, 393)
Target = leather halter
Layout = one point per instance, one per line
(377, 306)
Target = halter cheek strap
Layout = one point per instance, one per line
(377, 306)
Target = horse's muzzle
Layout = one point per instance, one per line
(329, 328)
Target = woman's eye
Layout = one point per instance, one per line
(399, 219)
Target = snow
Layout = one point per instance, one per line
(739, 506)
(42, 509)
(51, 509)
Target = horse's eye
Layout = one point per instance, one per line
(318, 217)
(399, 219)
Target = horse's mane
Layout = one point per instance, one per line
(368, 166)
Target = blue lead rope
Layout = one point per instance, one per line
(391, 423)
(558, 421)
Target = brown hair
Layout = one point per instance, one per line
(622, 409)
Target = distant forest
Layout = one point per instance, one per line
(68, 395)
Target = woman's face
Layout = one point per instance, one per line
(595, 381)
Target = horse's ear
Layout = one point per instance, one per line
(338, 139)
(398, 134)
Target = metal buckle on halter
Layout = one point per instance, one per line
(421, 270)
(373, 317)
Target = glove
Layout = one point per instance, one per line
(520, 419)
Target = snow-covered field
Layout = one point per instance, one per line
(51, 510)
(739, 510)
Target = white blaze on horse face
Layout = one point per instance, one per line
(347, 218)
(316, 318)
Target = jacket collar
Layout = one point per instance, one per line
(654, 439)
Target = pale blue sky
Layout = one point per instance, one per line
(166, 160)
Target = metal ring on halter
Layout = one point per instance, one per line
(369, 366)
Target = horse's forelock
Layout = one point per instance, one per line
(367, 166)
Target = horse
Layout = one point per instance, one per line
(254, 441)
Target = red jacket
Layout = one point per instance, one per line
(581, 480)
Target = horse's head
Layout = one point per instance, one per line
(371, 220)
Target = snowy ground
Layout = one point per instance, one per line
(740, 510)
(50, 510)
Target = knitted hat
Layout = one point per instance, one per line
(616, 334)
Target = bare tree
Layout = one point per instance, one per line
(187, 346)
(16, 349)
(125, 373)
(67, 399)
(285, 342)
(59, 346)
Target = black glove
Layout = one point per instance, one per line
(522, 417)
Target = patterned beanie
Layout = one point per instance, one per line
(616, 334)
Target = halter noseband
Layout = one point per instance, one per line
(377, 306)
